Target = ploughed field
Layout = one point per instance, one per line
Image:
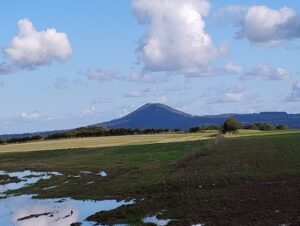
(247, 179)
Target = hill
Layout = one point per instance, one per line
(162, 116)
(152, 116)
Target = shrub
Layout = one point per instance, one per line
(282, 127)
(204, 128)
(231, 125)
(265, 126)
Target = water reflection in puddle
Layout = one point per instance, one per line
(26, 177)
(49, 188)
(25, 211)
(155, 220)
(51, 212)
(102, 174)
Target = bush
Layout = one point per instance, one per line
(194, 129)
(177, 130)
(265, 126)
(231, 125)
(204, 128)
(251, 127)
(282, 127)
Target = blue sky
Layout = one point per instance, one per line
(107, 58)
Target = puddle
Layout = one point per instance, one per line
(102, 174)
(85, 172)
(49, 188)
(91, 182)
(154, 220)
(25, 211)
(26, 178)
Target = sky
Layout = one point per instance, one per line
(65, 64)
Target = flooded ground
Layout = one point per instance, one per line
(102, 174)
(256, 181)
(155, 220)
(24, 210)
(21, 179)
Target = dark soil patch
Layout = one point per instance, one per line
(271, 203)
(5, 179)
(35, 216)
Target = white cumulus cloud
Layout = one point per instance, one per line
(30, 115)
(234, 68)
(6, 68)
(175, 39)
(235, 96)
(101, 74)
(295, 95)
(224, 94)
(261, 24)
(141, 77)
(264, 71)
(162, 99)
(90, 110)
(132, 94)
(268, 72)
(30, 48)
(102, 100)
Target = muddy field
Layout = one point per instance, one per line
(250, 180)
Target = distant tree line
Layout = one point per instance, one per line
(204, 128)
(265, 126)
(101, 131)
(20, 139)
(231, 125)
(91, 131)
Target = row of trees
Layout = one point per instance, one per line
(204, 128)
(232, 125)
(101, 131)
(91, 131)
(265, 126)
(20, 139)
